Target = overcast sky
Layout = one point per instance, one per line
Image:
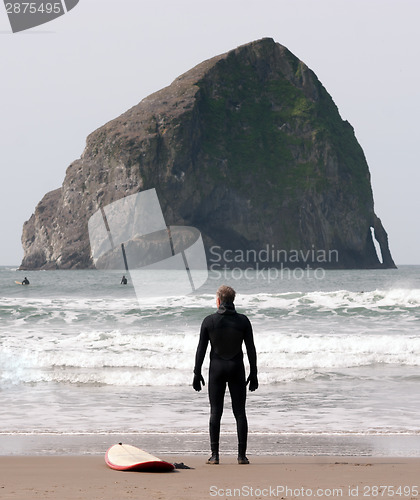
(61, 81)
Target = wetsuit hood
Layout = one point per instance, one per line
(226, 308)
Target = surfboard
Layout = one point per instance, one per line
(18, 282)
(126, 457)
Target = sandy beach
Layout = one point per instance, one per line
(88, 477)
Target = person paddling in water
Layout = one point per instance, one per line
(25, 281)
(226, 330)
(124, 280)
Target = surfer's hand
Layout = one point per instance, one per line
(252, 380)
(198, 380)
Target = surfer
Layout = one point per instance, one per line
(226, 330)
(123, 280)
(25, 281)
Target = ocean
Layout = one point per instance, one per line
(81, 358)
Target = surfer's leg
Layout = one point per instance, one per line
(237, 389)
(217, 388)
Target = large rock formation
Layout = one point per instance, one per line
(248, 147)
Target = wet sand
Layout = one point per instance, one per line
(286, 477)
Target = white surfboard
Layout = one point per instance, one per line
(126, 457)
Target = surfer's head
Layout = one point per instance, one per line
(225, 295)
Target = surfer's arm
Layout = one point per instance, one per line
(201, 348)
(250, 348)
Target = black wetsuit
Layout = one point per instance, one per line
(227, 330)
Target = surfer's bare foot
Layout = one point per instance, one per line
(243, 460)
(213, 460)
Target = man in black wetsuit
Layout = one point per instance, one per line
(226, 330)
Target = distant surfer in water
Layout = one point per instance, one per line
(25, 281)
(226, 330)
(124, 280)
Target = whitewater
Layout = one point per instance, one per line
(336, 356)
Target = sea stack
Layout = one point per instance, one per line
(248, 147)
